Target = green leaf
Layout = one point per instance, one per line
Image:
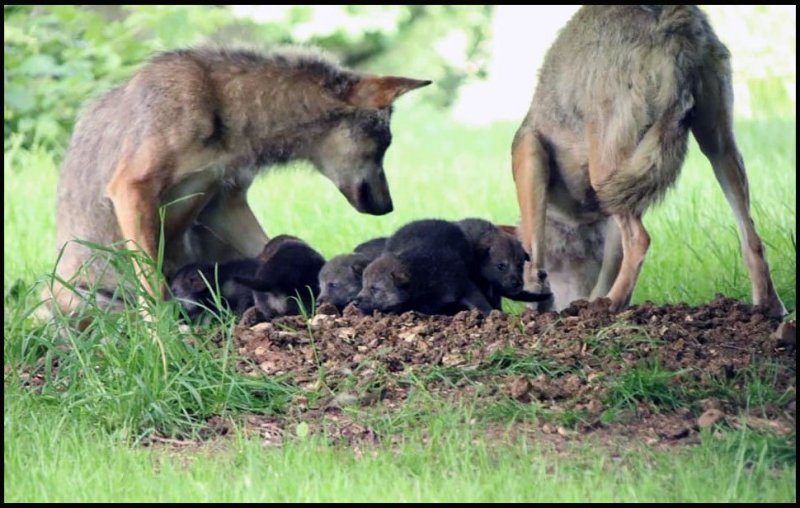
(18, 98)
(37, 65)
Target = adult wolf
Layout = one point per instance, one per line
(195, 126)
(606, 135)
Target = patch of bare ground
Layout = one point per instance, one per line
(654, 375)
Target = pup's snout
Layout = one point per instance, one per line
(514, 285)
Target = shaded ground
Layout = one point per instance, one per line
(651, 374)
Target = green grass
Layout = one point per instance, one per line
(53, 457)
(74, 438)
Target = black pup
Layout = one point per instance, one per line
(192, 285)
(426, 267)
(372, 248)
(288, 270)
(500, 261)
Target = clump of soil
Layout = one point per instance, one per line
(658, 373)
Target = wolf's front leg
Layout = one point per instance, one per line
(531, 175)
(230, 219)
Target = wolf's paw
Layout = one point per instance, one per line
(774, 307)
(543, 306)
(536, 282)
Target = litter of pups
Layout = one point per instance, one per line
(431, 266)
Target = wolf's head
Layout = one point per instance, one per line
(351, 152)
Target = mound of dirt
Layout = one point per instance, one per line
(658, 373)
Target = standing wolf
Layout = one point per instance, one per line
(606, 135)
(196, 125)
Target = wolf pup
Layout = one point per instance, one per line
(500, 262)
(340, 278)
(606, 136)
(192, 286)
(426, 266)
(288, 270)
(190, 130)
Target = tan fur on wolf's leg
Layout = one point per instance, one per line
(230, 219)
(612, 260)
(68, 303)
(713, 129)
(531, 174)
(134, 190)
(635, 242)
(59, 297)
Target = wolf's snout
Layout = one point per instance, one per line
(375, 202)
(373, 199)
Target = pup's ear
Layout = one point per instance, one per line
(401, 278)
(511, 230)
(483, 245)
(378, 92)
(359, 266)
(196, 282)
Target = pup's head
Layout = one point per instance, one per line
(501, 260)
(340, 279)
(289, 269)
(277, 243)
(386, 285)
(190, 289)
(351, 152)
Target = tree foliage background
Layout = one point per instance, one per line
(57, 57)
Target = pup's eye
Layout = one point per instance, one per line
(332, 285)
(502, 267)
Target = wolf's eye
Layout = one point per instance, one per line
(332, 285)
(502, 267)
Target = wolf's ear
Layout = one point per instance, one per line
(378, 92)
(401, 278)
